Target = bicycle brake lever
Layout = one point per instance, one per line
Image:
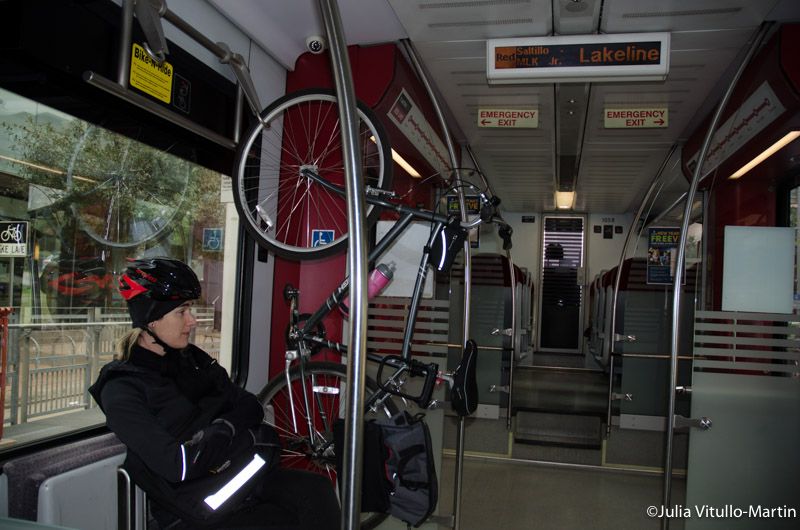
(489, 209)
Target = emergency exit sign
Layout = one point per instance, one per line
(509, 118)
(636, 118)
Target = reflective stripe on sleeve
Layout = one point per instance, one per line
(215, 500)
(183, 463)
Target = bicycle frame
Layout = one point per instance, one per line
(405, 363)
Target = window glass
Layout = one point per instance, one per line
(77, 200)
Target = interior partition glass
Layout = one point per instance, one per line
(76, 201)
(743, 471)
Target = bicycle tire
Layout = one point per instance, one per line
(284, 211)
(124, 193)
(298, 451)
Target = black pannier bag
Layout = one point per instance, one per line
(399, 475)
(375, 483)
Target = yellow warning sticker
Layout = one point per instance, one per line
(150, 77)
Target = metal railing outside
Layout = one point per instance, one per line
(54, 359)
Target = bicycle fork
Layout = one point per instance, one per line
(308, 406)
(291, 355)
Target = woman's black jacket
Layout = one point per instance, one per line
(156, 404)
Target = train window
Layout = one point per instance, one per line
(76, 200)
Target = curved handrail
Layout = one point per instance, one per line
(679, 262)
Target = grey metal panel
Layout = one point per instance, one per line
(64, 498)
(3, 496)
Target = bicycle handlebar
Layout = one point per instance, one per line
(488, 211)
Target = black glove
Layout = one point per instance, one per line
(207, 450)
(266, 443)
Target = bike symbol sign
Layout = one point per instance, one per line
(321, 237)
(13, 238)
(212, 239)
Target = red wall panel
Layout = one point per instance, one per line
(379, 74)
(751, 200)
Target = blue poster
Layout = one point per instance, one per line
(662, 251)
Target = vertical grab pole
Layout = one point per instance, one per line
(676, 286)
(513, 275)
(622, 256)
(357, 266)
(459, 472)
(125, 37)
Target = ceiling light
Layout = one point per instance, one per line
(564, 199)
(768, 152)
(44, 168)
(30, 164)
(405, 165)
(401, 162)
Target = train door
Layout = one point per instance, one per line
(746, 386)
(561, 278)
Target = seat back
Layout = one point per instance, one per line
(58, 484)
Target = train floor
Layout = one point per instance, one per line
(512, 494)
(554, 468)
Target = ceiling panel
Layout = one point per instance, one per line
(614, 166)
(621, 16)
(448, 20)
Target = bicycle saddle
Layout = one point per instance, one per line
(464, 397)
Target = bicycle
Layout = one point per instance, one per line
(304, 402)
(12, 233)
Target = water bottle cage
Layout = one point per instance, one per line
(416, 369)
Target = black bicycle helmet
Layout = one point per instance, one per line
(155, 286)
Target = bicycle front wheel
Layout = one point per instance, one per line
(288, 213)
(307, 435)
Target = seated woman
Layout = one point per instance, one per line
(188, 429)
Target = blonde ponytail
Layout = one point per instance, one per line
(127, 342)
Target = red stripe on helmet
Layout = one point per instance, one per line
(128, 287)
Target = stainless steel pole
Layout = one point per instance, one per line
(477, 166)
(125, 37)
(459, 472)
(676, 287)
(357, 267)
(513, 276)
(622, 257)
(142, 102)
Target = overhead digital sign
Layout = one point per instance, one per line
(578, 58)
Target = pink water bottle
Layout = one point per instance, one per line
(378, 279)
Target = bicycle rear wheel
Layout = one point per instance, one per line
(288, 213)
(312, 449)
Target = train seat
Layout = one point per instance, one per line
(53, 486)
